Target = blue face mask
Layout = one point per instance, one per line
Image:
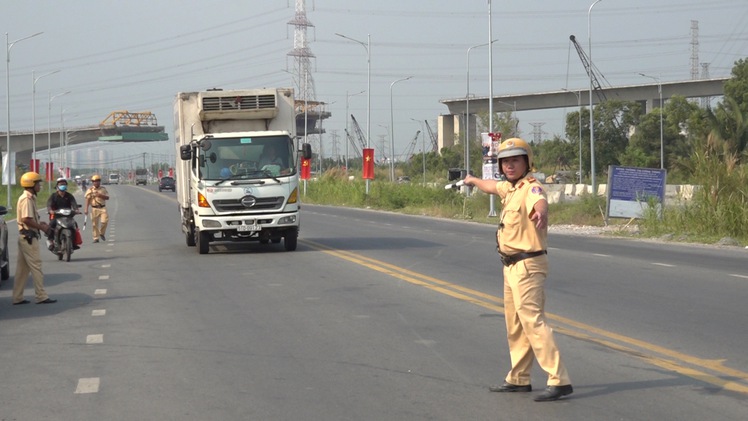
(62, 187)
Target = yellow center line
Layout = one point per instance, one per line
(584, 331)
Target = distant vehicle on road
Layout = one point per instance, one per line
(141, 176)
(113, 179)
(166, 183)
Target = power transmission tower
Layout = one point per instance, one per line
(302, 54)
(537, 132)
(309, 111)
(694, 49)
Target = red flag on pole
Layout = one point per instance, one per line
(368, 164)
(306, 168)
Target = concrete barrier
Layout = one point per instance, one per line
(559, 193)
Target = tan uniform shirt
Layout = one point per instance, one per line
(519, 234)
(27, 209)
(96, 202)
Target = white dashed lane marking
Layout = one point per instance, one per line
(100, 291)
(663, 264)
(739, 276)
(88, 385)
(101, 312)
(94, 339)
(103, 277)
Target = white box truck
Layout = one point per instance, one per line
(237, 178)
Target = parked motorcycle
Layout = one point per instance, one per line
(65, 233)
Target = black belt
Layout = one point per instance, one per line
(97, 207)
(508, 260)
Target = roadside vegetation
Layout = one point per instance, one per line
(706, 147)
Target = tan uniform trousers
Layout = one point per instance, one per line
(529, 335)
(99, 221)
(28, 261)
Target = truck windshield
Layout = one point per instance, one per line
(247, 158)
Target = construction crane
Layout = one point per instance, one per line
(353, 143)
(434, 141)
(359, 132)
(412, 146)
(589, 68)
(590, 71)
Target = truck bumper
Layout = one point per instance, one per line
(248, 227)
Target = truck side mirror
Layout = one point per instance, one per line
(185, 152)
(306, 150)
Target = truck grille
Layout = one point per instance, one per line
(262, 204)
(242, 102)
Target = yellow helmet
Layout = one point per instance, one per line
(29, 179)
(96, 177)
(515, 147)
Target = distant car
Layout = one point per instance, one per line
(4, 262)
(166, 183)
(113, 179)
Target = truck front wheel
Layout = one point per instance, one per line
(290, 240)
(203, 242)
(190, 236)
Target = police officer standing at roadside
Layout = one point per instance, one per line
(29, 227)
(96, 197)
(522, 245)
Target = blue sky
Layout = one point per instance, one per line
(137, 55)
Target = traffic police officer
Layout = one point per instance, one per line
(29, 227)
(96, 197)
(522, 244)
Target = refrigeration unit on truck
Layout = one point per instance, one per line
(238, 177)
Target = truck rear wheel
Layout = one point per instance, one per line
(290, 240)
(203, 242)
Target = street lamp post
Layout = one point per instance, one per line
(367, 47)
(592, 119)
(662, 109)
(423, 149)
(49, 133)
(392, 131)
(579, 105)
(33, 113)
(8, 46)
(348, 126)
(467, 105)
(492, 198)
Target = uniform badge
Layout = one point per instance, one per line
(537, 190)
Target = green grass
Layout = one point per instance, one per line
(686, 222)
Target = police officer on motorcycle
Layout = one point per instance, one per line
(60, 199)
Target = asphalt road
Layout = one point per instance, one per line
(376, 316)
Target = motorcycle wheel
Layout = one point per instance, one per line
(66, 246)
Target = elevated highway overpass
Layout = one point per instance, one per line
(119, 126)
(451, 125)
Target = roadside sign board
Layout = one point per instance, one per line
(632, 189)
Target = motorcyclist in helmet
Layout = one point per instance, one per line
(60, 199)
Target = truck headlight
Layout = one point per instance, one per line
(286, 220)
(210, 223)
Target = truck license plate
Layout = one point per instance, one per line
(245, 228)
